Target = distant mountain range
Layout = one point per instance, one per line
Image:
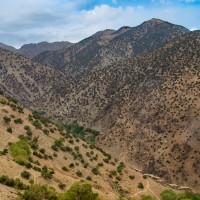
(32, 50)
(138, 86)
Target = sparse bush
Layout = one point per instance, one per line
(46, 172)
(42, 150)
(61, 186)
(18, 121)
(25, 174)
(79, 173)
(7, 119)
(140, 185)
(64, 169)
(132, 177)
(95, 171)
(89, 178)
(9, 130)
(10, 182)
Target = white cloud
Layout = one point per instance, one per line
(29, 21)
(194, 29)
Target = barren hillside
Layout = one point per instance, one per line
(147, 107)
(68, 157)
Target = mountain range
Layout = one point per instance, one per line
(32, 50)
(138, 86)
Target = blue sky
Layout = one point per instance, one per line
(31, 21)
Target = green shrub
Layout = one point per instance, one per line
(168, 195)
(100, 164)
(95, 171)
(16, 183)
(140, 185)
(72, 165)
(18, 121)
(64, 169)
(42, 150)
(148, 197)
(9, 130)
(80, 191)
(39, 192)
(54, 147)
(144, 177)
(86, 165)
(47, 173)
(120, 167)
(20, 151)
(46, 132)
(61, 186)
(89, 178)
(6, 119)
(27, 128)
(79, 173)
(25, 174)
(37, 124)
(132, 177)
(118, 178)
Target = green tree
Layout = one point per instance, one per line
(6, 119)
(20, 151)
(80, 191)
(39, 192)
(46, 172)
(147, 197)
(168, 195)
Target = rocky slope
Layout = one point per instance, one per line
(147, 107)
(69, 158)
(109, 46)
(10, 48)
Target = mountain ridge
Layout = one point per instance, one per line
(95, 52)
(146, 106)
(33, 49)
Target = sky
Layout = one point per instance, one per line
(32, 21)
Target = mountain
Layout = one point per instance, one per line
(32, 50)
(147, 109)
(31, 83)
(109, 46)
(145, 105)
(10, 48)
(35, 150)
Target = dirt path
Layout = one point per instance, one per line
(147, 189)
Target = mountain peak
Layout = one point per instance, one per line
(157, 20)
